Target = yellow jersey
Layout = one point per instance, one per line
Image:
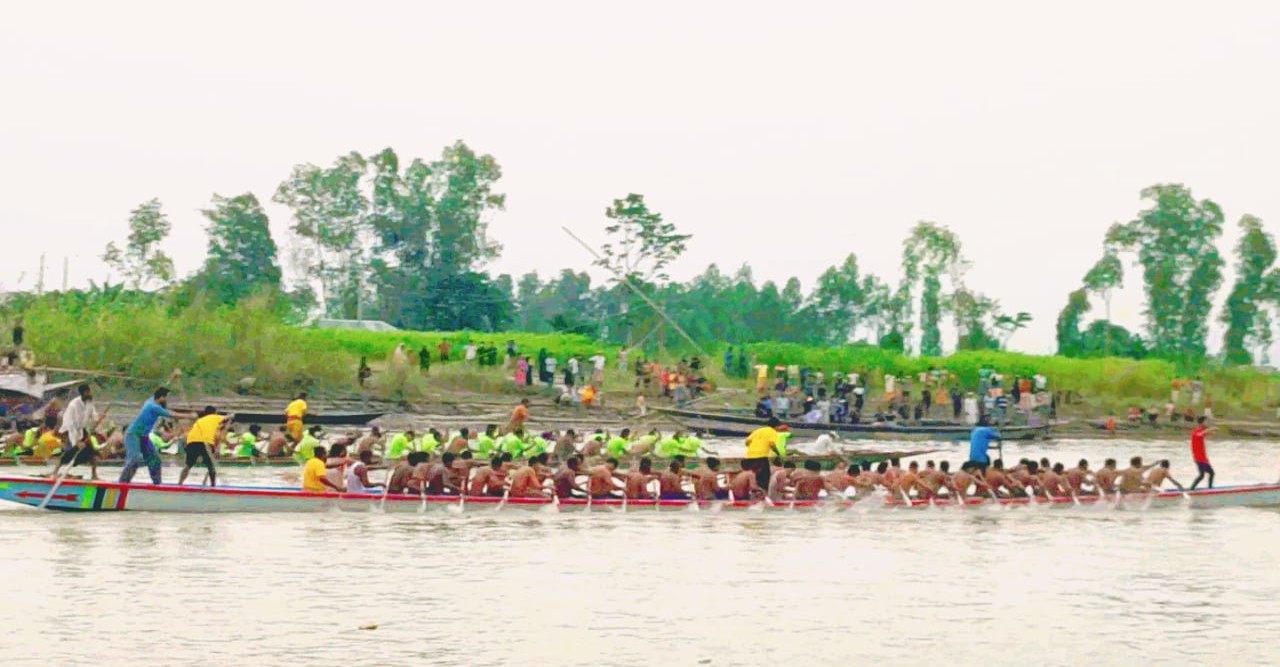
(761, 442)
(205, 429)
(48, 443)
(296, 410)
(312, 473)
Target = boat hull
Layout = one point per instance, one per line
(76, 495)
(739, 425)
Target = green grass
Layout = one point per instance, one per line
(147, 338)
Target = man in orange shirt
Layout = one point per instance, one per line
(518, 417)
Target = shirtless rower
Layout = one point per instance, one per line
(893, 474)
(1133, 478)
(1027, 475)
(960, 482)
(439, 480)
(489, 480)
(400, 476)
(843, 479)
(809, 482)
(997, 478)
(278, 444)
(934, 478)
(461, 443)
(1052, 482)
(591, 448)
(780, 480)
(421, 475)
(910, 481)
(869, 479)
(745, 485)
(1158, 475)
(706, 481)
(527, 480)
(600, 484)
(374, 439)
(566, 480)
(671, 481)
(567, 446)
(637, 481)
(1078, 476)
(1105, 478)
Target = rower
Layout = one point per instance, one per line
(566, 480)
(1198, 454)
(1159, 475)
(138, 448)
(706, 481)
(670, 482)
(566, 446)
(809, 483)
(248, 446)
(527, 480)
(637, 481)
(1077, 477)
(996, 478)
(357, 477)
(489, 480)
(460, 442)
(400, 444)
(1105, 479)
(278, 445)
(310, 440)
(402, 473)
(1051, 480)
(618, 445)
(78, 422)
(202, 441)
(1132, 479)
(980, 444)
(440, 477)
(960, 482)
(313, 473)
(370, 441)
(780, 480)
(600, 484)
(294, 415)
(843, 479)
(745, 484)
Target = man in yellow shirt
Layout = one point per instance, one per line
(762, 443)
(202, 441)
(313, 473)
(294, 416)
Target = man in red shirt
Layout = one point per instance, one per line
(1197, 453)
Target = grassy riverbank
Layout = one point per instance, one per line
(215, 347)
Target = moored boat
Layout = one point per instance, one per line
(312, 419)
(731, 424)
(77, 495)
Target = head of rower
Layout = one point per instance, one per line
(1084, 464)
(811, 465)
(573, 463)
(945, 467)
(366, 457)
(646, 465)
(1109, 464)
(713, 463)
(320, 452)
(1136, 461)
(611, 464)
(883, 467)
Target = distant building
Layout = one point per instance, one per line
(367, 325)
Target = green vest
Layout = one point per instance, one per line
(398, 447)
(306, 449)
(617, 446)
(247, 444)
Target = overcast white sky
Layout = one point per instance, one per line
(785, 135)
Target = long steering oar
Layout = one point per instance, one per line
(56, 483)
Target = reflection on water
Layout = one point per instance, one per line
(1086, 585)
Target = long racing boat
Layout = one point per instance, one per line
(100, 496)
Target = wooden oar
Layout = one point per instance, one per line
(382, 505)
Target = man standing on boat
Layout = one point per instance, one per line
(1199, 455)
(294, 415)
(138, 449)
(202, 443)
(761, 444)
(78, 423)
(980, 444)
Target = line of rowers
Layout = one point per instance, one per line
(419, 473)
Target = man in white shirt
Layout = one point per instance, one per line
(575, 369)
(357, 475)
(597, 372)
(470, 353)
(78, 420)
(551, 364)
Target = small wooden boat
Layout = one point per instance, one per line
(729, 424)
(80, 495)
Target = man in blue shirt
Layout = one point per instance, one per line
(138, 449)
(980, 443)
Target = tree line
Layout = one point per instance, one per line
(377, 237)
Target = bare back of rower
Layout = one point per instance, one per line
(744, 485)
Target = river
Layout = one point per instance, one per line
(1012, 586)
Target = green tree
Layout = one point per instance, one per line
(839, 301)
(330, 212)
(242, 254)
(1246, 312)
(1069, 323)
(141, 262)
(1175, 240)
(1105, 277)
(642, 244)
(929, 252)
